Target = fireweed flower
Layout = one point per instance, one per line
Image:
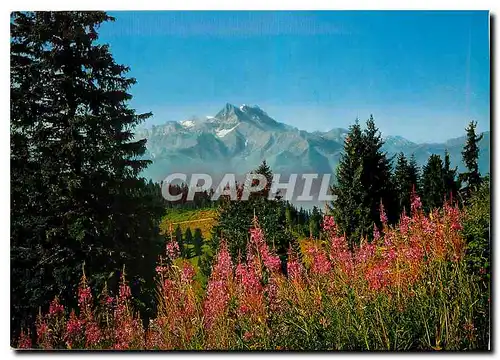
(416, 204)
(247, 277)
(365, 253)
(404, 224)
(258, 243)
(74, 327)
(383, 216)
(109, 300)
(250, 291)
(376, 233)
(84, 296)
(42, 329)
(172, 249)
(217, 299)
(320, 264)
(55, 307)
(377, 276)
(126, 328)
(428, 226)
(256, 291)
(187, 273)
(273, 296)
(329, 223)
(340, 255)
(161, 270)
(92, 333)
(453, 214)
(294, 268)
(24, 340)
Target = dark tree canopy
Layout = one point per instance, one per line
(235, 218)
(470, 155)
(433, 188)
(364, 181)
(76, 196)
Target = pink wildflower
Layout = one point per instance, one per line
(404, 224)
(329, 223)
(24, 340)
(92, 333)
(84, 296)
(383, 216)
(55, 308)
(376, 233)
(416, 204)
(320, 264)
(172, 249)
(187, 273)
(74, 325)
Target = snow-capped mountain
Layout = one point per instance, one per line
(238, 138)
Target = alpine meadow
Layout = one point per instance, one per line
(304, 223)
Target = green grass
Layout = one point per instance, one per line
(203, 219)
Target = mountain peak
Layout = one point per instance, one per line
(226, 111)
(252, 109)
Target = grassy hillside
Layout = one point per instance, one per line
(203, 219)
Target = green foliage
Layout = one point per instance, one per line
(405, 179)
(364, 181)
(433, 188)
(75, 194)
(197, 242)
(236, 217)
(470, 155)
(314, 222)
(414, 174)
(451, 184)
(476, 229)
(414, 293)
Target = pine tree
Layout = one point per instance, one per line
(449, 178)
(414, 174)
(403, 183)
(314, 222)
(470, 155)
(433, 187)
(235, 218)
(188, 244)
(265, 170)
(197, 242)
(377, 176)
(350, 208)
(288, 217)
(76, 196)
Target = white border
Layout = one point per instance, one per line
(8, 6)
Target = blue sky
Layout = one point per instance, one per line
(423, 75)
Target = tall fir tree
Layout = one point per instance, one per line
(470, 155)
(75, 196)
(350, 208)
(265, 170)
(406, 179)
(449, 178)
(433, 187)
(364, 181)
(403, 183)
(197, 242)
(235, 218)
(188, 244)
(377, 176)
(179, 238)
(414, 174)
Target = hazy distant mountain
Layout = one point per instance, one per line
(237, 139)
